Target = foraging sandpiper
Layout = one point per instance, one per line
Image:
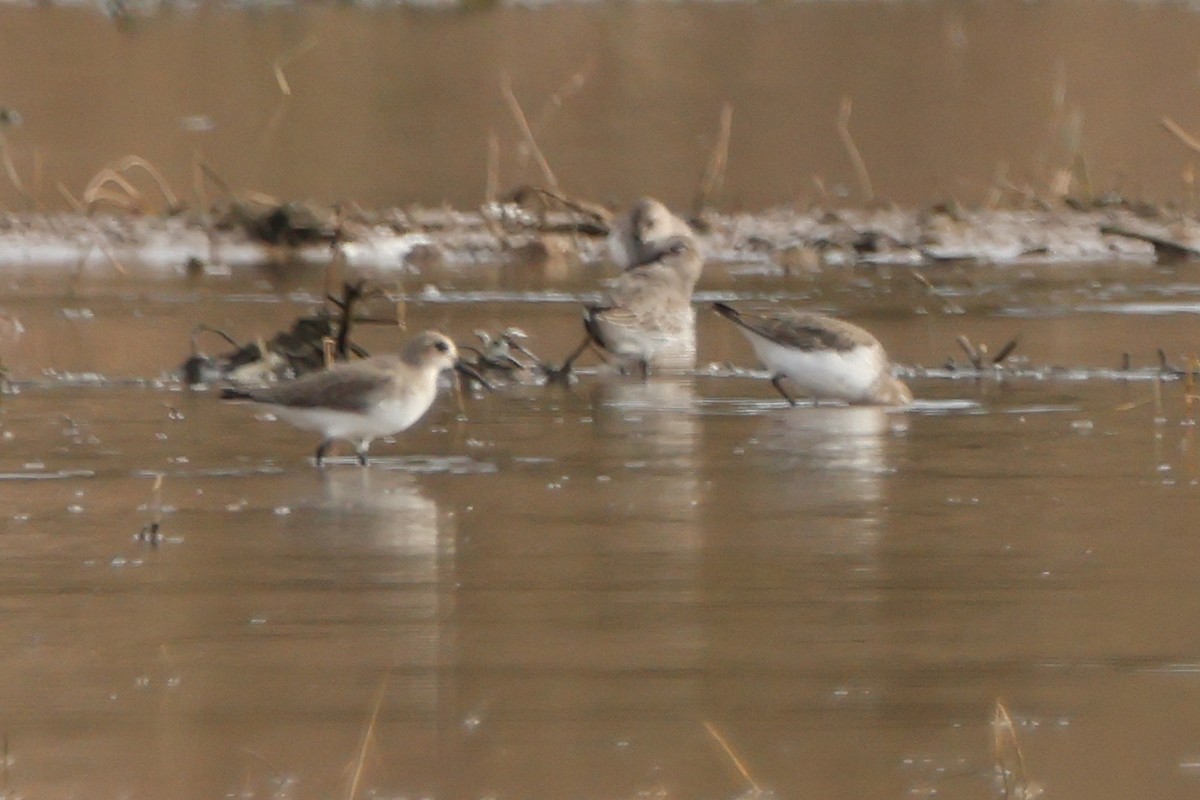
(362, 400)
(642, 231)
(646, 317)
(824, 357)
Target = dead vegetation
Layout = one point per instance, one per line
(539, 220)
(312, 343)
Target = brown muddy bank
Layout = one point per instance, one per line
(784, 239)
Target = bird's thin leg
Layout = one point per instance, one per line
(322, 449)
(644, 369)
(361, 451)
(777, 382)
(565, 370)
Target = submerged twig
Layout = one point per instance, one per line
(733, 757)
(1005, 351)
(368, 736)
(974, 355)
(948, 305)
(1010, 759)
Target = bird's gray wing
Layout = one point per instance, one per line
(345, 388)
(805, 331)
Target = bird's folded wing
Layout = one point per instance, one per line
(801, 331)
(338, 389)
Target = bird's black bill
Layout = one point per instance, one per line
(463, 368)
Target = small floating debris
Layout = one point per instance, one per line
(151, 532)
(506, 355)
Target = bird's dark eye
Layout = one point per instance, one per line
(442, 346)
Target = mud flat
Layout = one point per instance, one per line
(793, 240)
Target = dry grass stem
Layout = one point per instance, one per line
(860, 166)
(733, 757)
(285, 58)
(492, 185)
(273, 124)
(589, 209)
(1175, 129)
(132, 162)
(974, 355)
(519, 117)
(10, 169)
(127, 194)
(95, 191)
(713, 179)
(995, 194)
(948, 305)
(368, 737)
(97, 236)
(39, 176)
(327, 346)
(205, 171)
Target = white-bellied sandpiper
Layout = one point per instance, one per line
(359, 401)
(823, 357)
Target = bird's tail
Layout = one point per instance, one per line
(728, 311)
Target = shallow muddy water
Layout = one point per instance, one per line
(555, 594)
(390, 106)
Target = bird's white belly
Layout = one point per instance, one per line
(824, 374)
(665, 346)
(382, 419)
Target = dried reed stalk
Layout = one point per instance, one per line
(860, 166)
(492, 186)
(948, 305)
(522, 121)
(97, 236)
(713, 179)
(286, 57)
(1175, 129)
(10, 169)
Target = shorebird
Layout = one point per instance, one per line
(826, 358)
(642, 231)
(646, 317)
(359, 401)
